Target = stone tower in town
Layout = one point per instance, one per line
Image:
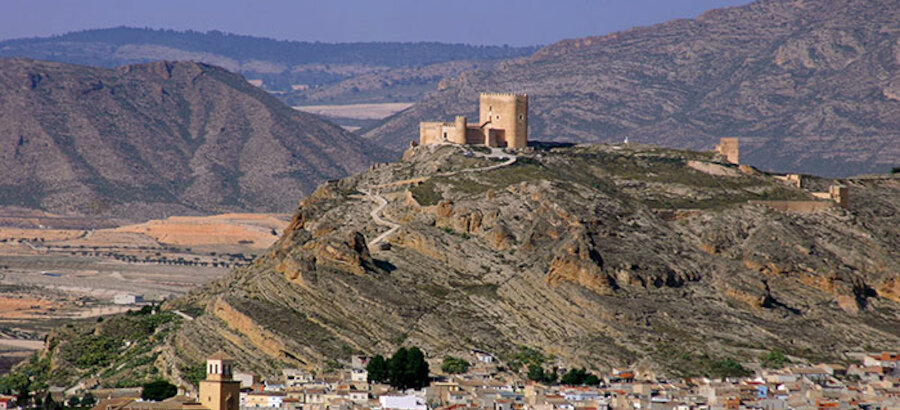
(219, 391)
(507, 115)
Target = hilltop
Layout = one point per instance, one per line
(158, 139)
(809, 86)
(298, 72)
(601, 255)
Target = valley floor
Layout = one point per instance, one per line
(57, 269)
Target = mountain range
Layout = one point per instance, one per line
(808, 86)
(158, 139)
(292, 70)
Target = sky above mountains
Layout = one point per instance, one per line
(513, 22)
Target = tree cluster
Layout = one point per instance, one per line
(406, 369)
(158, 390)
(537, 373)
(454, 365)
(579, 377)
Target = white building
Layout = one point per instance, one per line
(408, 402)
(359, 376)
(128, 299)
(483, 357)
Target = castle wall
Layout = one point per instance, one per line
(730, 149)
(430, 132)
(803, 207)
(839, 194)
(475, 135)
(507, 112)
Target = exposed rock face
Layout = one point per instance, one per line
(601, 255)
(159, 139)
(808, 85)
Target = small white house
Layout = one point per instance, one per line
(483, 357)
(408, 402)
(128, 299)
(359, 375)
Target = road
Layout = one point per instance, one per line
(381, 202)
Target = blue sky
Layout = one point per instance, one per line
(513, 22)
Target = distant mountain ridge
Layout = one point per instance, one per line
(158, 139)
(808, 85)
(287, 67)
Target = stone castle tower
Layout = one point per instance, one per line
(503, 122)
(219, 391)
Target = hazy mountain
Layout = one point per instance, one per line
(290, 68)
(160, 138)
(604, 256)
(809, 85)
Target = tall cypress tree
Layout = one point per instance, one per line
(397, 369)
(378, 370)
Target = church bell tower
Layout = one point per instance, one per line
(219, 391)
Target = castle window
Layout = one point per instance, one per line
(445, 136)
(498, 117)
(521, 117)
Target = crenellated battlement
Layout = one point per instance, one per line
(506, 94)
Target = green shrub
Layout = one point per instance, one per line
(774, 360)
(454, 365)
(158, 390)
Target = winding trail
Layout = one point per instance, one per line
(382, 202)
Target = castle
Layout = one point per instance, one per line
(503, 122)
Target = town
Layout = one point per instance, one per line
(867, 381)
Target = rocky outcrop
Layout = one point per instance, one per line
(604, 256)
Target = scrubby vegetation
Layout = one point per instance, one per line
(121, 350)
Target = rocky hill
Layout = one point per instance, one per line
(159, 139)
(291, 69)
(808, 85)
(602, 255)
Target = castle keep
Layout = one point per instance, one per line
(503, 122)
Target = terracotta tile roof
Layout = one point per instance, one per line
(220, 355)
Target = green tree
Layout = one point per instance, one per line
(591, 380)
(378, 370)
(550, 378)
(23, 390)
(88, 400)
(407, 369)
(454, 365)
(397, 369)
(535, 373)
(158, 390)
(74, 401)
(416, 369)
(574, 377)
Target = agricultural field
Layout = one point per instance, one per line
(56, 269)
(355, 116)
